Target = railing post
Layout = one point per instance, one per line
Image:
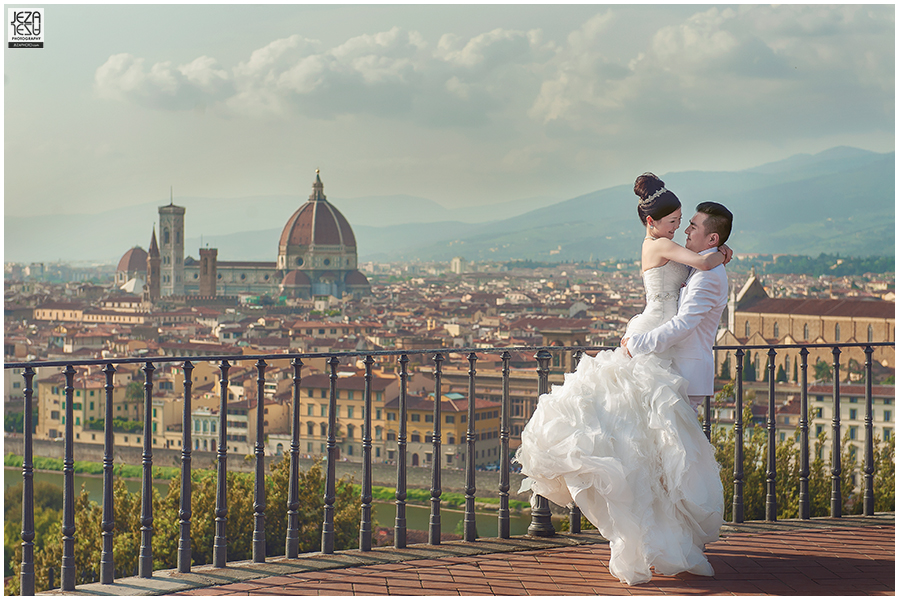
(331, 449)
(541, 524)
(771, 496)
(869, 494)
(220, 542)
(145, 557)
(400, 519)
(469, 530)
(503, 515)
(107, 561)
(836, 438)
(737, 508)
(804, 437)
(292, 539)
(259, 494)
(574, 510)
(434, 521)
(574, 518)
(185, 513)
(707, 419)
(365, 525)
(26, 574)
(67, 568)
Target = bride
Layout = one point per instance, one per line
(619, 437)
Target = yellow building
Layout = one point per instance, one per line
(454, 412)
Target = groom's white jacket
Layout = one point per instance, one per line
(692, 332)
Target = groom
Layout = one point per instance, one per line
(692, 332)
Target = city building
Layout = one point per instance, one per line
(317, 256)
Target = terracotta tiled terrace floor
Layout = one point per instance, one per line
(846, 556)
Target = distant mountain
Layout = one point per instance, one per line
(840, 200)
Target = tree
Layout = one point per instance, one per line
(240, 499)
(749, 373)
(823, 371)
(781, 376)
(795, 380)
(726, 369)
(134, 392)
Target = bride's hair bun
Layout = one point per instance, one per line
(656, 201)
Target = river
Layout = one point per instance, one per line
(417, 517)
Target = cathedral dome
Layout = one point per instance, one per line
(295, 278)
(356, 278)
(317, 223)
(135, 259)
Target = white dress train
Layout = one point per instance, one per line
(620, 439)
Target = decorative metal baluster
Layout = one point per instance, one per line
(737, 509)
(707, 419)
(469, 530)
(292, 540)
(400, 519)
(331, 446)
(836, 438)
(220, 543)
(259, 495)
(67, 569)
(869, 494)
(184, 514)
(540, 510)
(574, 510)
(804, 438)
(434, 522)
(503, 516)
(26, 574)
(771, 498)
(145, 557)
(365, 524)
(107, 561)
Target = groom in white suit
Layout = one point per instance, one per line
(692, 332)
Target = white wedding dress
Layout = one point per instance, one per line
(620, 439)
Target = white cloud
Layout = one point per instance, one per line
(700, 72)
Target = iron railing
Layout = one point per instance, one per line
(540, 526)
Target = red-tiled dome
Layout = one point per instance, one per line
(295, 278)
(317, 222)
(133, 260)
(356, 278)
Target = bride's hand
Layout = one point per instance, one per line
(624, 344)
(726, 250)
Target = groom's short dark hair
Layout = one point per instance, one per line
(718, 219)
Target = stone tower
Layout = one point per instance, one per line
(171, 249)
(208, 261)
(153, 274)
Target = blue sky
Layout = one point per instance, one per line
(461, 104)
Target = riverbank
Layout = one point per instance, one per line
(383, 474)
(163, 475)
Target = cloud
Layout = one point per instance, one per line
(745, 71)
(752, 71)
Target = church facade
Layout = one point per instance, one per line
(316, 256)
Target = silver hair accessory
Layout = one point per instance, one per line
(656, 194)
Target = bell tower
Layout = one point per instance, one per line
(171, 249)
(153, 268)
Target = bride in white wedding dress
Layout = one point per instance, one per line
(619, 437)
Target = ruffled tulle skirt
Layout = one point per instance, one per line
(620, 439)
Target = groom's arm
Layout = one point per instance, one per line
(698, 301)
